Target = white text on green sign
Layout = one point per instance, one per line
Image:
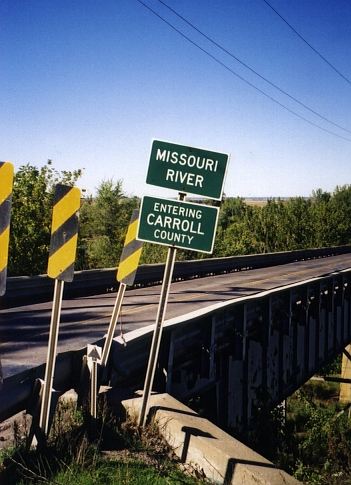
(187, 169)
(181, 224)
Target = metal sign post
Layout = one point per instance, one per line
(93, 390)
(1, 376)
(94, 357)
(156, 339)
(113, 323)
(51, 356)
(64, 235)
(176, 223)
(155, 346)
(127, 269)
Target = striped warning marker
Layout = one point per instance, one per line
(131, 253)
(64, 233)
(6, 183)
(127, 269)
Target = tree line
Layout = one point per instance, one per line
(284, 225)
(324, 219)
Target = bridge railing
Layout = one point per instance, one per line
(40, 288)
(240, 355)
(246, 353)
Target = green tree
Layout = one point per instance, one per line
(31, 216)
(104, 222)
(322, 218)
(299, 228)
(232, 210)
(237, 230)
(340, 212)
(271, 225)
(154, 253)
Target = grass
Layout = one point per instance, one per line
(115, 472)
(118, 453)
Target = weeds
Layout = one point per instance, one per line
(314, 441)
(83, 453)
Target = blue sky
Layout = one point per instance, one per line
(89, 84)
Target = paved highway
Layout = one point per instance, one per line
(24, 329)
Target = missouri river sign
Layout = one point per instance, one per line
(179, 224)
(187, 169)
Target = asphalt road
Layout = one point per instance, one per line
(24, 329)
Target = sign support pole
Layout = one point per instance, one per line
(51, 356)
(113, 322)
(93, 389)
(155, 346)
(1, 376)
(127, 269)
(93, 359)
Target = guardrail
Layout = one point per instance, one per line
(34, 289)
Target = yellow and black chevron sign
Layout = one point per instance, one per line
(64, 233)
(6, 182)
(131, 253)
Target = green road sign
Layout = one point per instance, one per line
(187, 169)
(180, 224)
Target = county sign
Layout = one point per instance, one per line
(187, 169)
(179, 224)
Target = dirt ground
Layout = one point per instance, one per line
(14, 429)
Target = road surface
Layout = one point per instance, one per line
(24, 329)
